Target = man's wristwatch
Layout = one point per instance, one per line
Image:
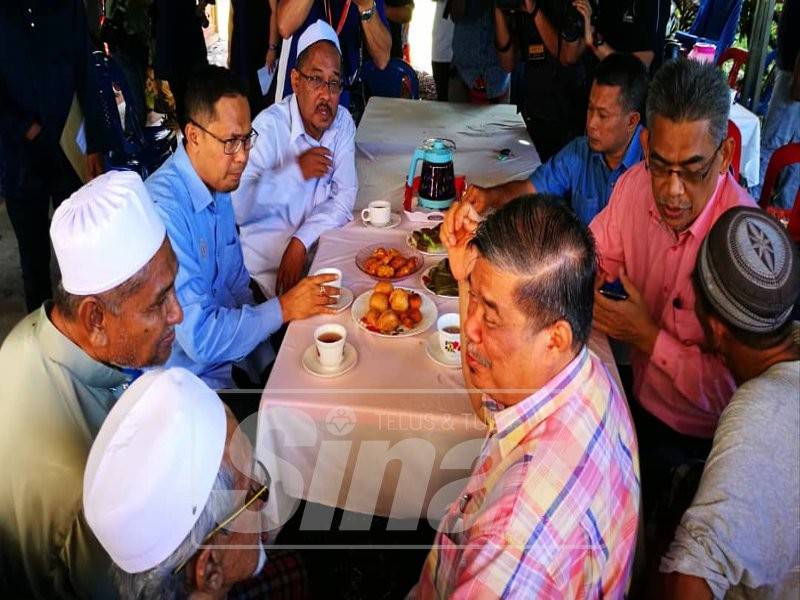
(366, 15)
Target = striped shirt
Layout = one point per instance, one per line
(551, 507)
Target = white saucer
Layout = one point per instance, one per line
(312, 365)
(345, 300)
(435, 353)
(394, 221)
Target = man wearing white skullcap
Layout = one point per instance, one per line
(173, 493)
(63, 367)
(224, 324)
(301, 179)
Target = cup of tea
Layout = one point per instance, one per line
(330, 339)
(449, 326)
(379, 213)
(336, 283)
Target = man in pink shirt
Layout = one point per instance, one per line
(648, 236)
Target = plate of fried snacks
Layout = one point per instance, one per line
(393, 311)
(427, 241)
(438, 280)
(388, 264)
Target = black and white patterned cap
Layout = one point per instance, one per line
(749, 270)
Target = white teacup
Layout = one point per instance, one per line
(449, 326)
(330, 339)
(378, 214)
(336, 283)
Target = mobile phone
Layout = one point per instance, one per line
(614, 290)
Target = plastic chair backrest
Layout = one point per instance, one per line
(397, 80)
(739, 58)
(717, 21)
(793, 228)
(782, 157)
(736, 162)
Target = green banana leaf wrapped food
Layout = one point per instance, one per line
(427, 240)
(440, 280)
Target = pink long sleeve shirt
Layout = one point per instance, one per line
(681, 383)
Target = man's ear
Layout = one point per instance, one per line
(192, 134)
(727, 149)
(294, 76)
(560, 337)
(644, 142)
(92, 316)
(208, 571)
(719, 333)
(634, 119)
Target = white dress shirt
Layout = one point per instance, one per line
(275, 203)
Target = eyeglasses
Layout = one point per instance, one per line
(234, 144)
(660, 170)
(317, 83)
(259, 490)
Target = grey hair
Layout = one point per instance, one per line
(160, 582)
(685, 90)
(541, 241)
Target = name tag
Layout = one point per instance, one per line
(536, 52)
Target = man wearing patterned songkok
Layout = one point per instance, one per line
(739, 537)
(63, 368)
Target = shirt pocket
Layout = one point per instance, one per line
(687, 328)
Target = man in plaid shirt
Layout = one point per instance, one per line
(551, 508)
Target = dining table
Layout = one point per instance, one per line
(395, 436)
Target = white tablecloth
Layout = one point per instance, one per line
(395, 436)
(750, 127)
(392, 128)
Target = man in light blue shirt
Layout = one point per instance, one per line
(222, 323)
(585, 170)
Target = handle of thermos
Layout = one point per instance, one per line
(419, 154)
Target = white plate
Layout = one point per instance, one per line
(412, 244)
(345, 300)
(428, 310)
(422, 277)
(394, 221)
(435, 353)
(312, 365)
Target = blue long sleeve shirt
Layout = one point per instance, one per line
(221, 323)
(582, 177)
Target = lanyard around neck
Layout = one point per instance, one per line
(342, 17)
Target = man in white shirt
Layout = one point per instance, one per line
(301, 177)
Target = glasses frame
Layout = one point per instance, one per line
(317, 83)
(264, 489)
(246, 142)
(700, 175)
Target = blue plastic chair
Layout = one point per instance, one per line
(716, 23)
(397, 80)
(132, 146)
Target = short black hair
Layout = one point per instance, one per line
(540, 240)
(629, 74)
(205, 86)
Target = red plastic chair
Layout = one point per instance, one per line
(739, 58)
(793, 228)
(736, 162)
(782, 157)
